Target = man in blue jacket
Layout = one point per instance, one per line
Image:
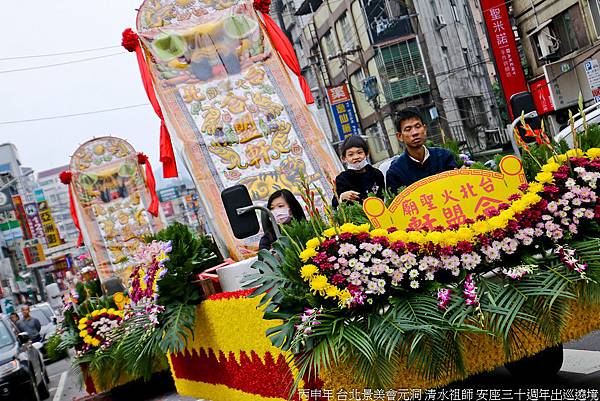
(417, 161)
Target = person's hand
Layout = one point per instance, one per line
(350, 196)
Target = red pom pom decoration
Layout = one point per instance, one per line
(142, 158)
(130, 40)
(65, 177)
(262, 5)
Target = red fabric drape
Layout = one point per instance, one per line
(74, 216)
(66, 177)
(286, 51)
(150, 184)
(167, 156)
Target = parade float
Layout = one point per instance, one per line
(226, 84)
(113, 203)
(458, 274)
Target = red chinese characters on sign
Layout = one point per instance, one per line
(338, 94)
(504, 47)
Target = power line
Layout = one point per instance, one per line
(63, 63)
(73, 115)
(59, 54)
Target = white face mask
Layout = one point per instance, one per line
(359, 165)
(282, 215)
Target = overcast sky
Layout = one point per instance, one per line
(42, 27)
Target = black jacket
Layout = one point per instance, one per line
(404, 171)
(370, 181)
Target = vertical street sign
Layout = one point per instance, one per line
(342, 109)
(504, 47)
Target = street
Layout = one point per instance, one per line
(580, 370)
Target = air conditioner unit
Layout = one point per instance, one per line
(549, 45)
(440, 21)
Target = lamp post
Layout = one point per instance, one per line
(371, 90)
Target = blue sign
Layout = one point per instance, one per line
(345, 119)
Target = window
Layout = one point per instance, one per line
(472, 111)
(465, 54)
(330, 47)
(445, 57)
(562, 35)
(595, 8)
(455, 14)
(374, 132)
(347, 32)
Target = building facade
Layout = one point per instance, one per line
(561, 43)
(424, 54)
(57, 196)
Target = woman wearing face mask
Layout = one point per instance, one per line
(285, 207)
(360, 179)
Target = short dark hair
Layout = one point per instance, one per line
(407, 114)
(354, 141)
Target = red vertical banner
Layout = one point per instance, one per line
(504, 47)
(21, 216)
(541, 96)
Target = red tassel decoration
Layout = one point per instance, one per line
(130, 41)
(66, 177)
(150, 184)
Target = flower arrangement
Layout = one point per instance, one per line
(353, 265)
(97, 326)
(150, 269)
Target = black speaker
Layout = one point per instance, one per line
(243, 225)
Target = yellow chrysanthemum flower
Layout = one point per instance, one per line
(544, 178)
(95, 313)
(416, 237)
(535, 187)
(330, 232)
(111, 311)
(87, 339)
(83, 320)
(497, 222)
(313, 243)
(344, 296)
(519, 206)
(434, 237)
(560, 159)
(399, 235)
(550, 167)
(593, 153)
(307, 271)
(364, 228)
(574, 153)
(481, 227)
(318, 283)
(307, 254)
(449, 238)
(83, 333)
(95, 342)
(331, 291)
(379, 232)
(349, 228)
(507, 214)
(464, 234)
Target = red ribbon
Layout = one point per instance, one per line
(286, 51)
(150, 184)
(66, 177)
(167, 156)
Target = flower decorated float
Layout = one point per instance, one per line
(226, 84)
(126, 336)
(459, 274)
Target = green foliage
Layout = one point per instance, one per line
(55, 352)
(177, 326)
(191, 255)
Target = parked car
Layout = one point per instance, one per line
(592, 115)
(23, 375)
